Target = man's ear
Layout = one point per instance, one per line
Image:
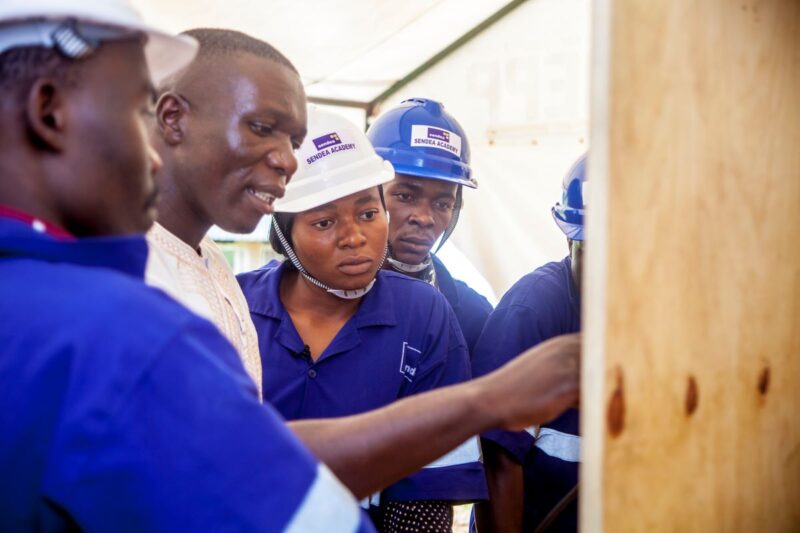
(171, 112)
(46, 115)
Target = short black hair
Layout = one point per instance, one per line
(20, 67)
(215, 42)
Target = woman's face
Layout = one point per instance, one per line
(342, 242)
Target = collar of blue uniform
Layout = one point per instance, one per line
(344, 294)
(262, 291)
(126, 254)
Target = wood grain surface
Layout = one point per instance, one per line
(692, 309)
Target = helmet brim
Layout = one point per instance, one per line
(426, 165)
(572, 230)
(165, 53)
(299, 200)
(168, 54)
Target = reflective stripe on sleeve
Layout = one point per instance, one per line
(559, 445)
(372, 501)
(468, 452)
(328, 506)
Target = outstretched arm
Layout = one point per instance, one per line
(373, 450)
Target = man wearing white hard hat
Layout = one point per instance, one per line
(338, 335)
(122, 411)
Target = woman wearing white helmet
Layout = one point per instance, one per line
(338, 335)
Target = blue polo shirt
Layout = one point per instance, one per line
(471, 309)
(402, 340)
(541, 305)
(123, 411)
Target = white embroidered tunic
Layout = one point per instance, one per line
(205, 284)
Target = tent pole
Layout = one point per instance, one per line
(338, 102)
(452, 47)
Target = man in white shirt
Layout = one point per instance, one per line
(226, 130)
(200, 279)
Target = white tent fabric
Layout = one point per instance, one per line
(520, 89)
(343, 49)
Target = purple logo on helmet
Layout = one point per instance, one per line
(439, 135)
(327, 140)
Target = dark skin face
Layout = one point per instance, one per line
(227, 133)
(420, 210)
(342, 243)
(89, 168)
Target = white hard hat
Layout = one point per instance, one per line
(335, 160)
(72, 24)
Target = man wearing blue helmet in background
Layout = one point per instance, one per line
(533, 474)
(430, 153)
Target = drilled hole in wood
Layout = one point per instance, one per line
(763, 381)
(616, 407)
(692, 397)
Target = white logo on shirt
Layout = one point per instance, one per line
(406, 369)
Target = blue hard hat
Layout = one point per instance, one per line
(421, 139)
(568, 213)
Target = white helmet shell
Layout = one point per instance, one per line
(335, 160)
(34, 23)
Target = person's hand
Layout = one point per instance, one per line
(536, 386)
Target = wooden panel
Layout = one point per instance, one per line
(692, 382)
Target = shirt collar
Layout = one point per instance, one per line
(126, 254)
(176, 245)
(38, 224)
(376, 308)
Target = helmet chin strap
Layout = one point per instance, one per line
(423, 271)
(344, 294)
(408, 268)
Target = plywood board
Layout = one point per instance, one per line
(692, 382)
